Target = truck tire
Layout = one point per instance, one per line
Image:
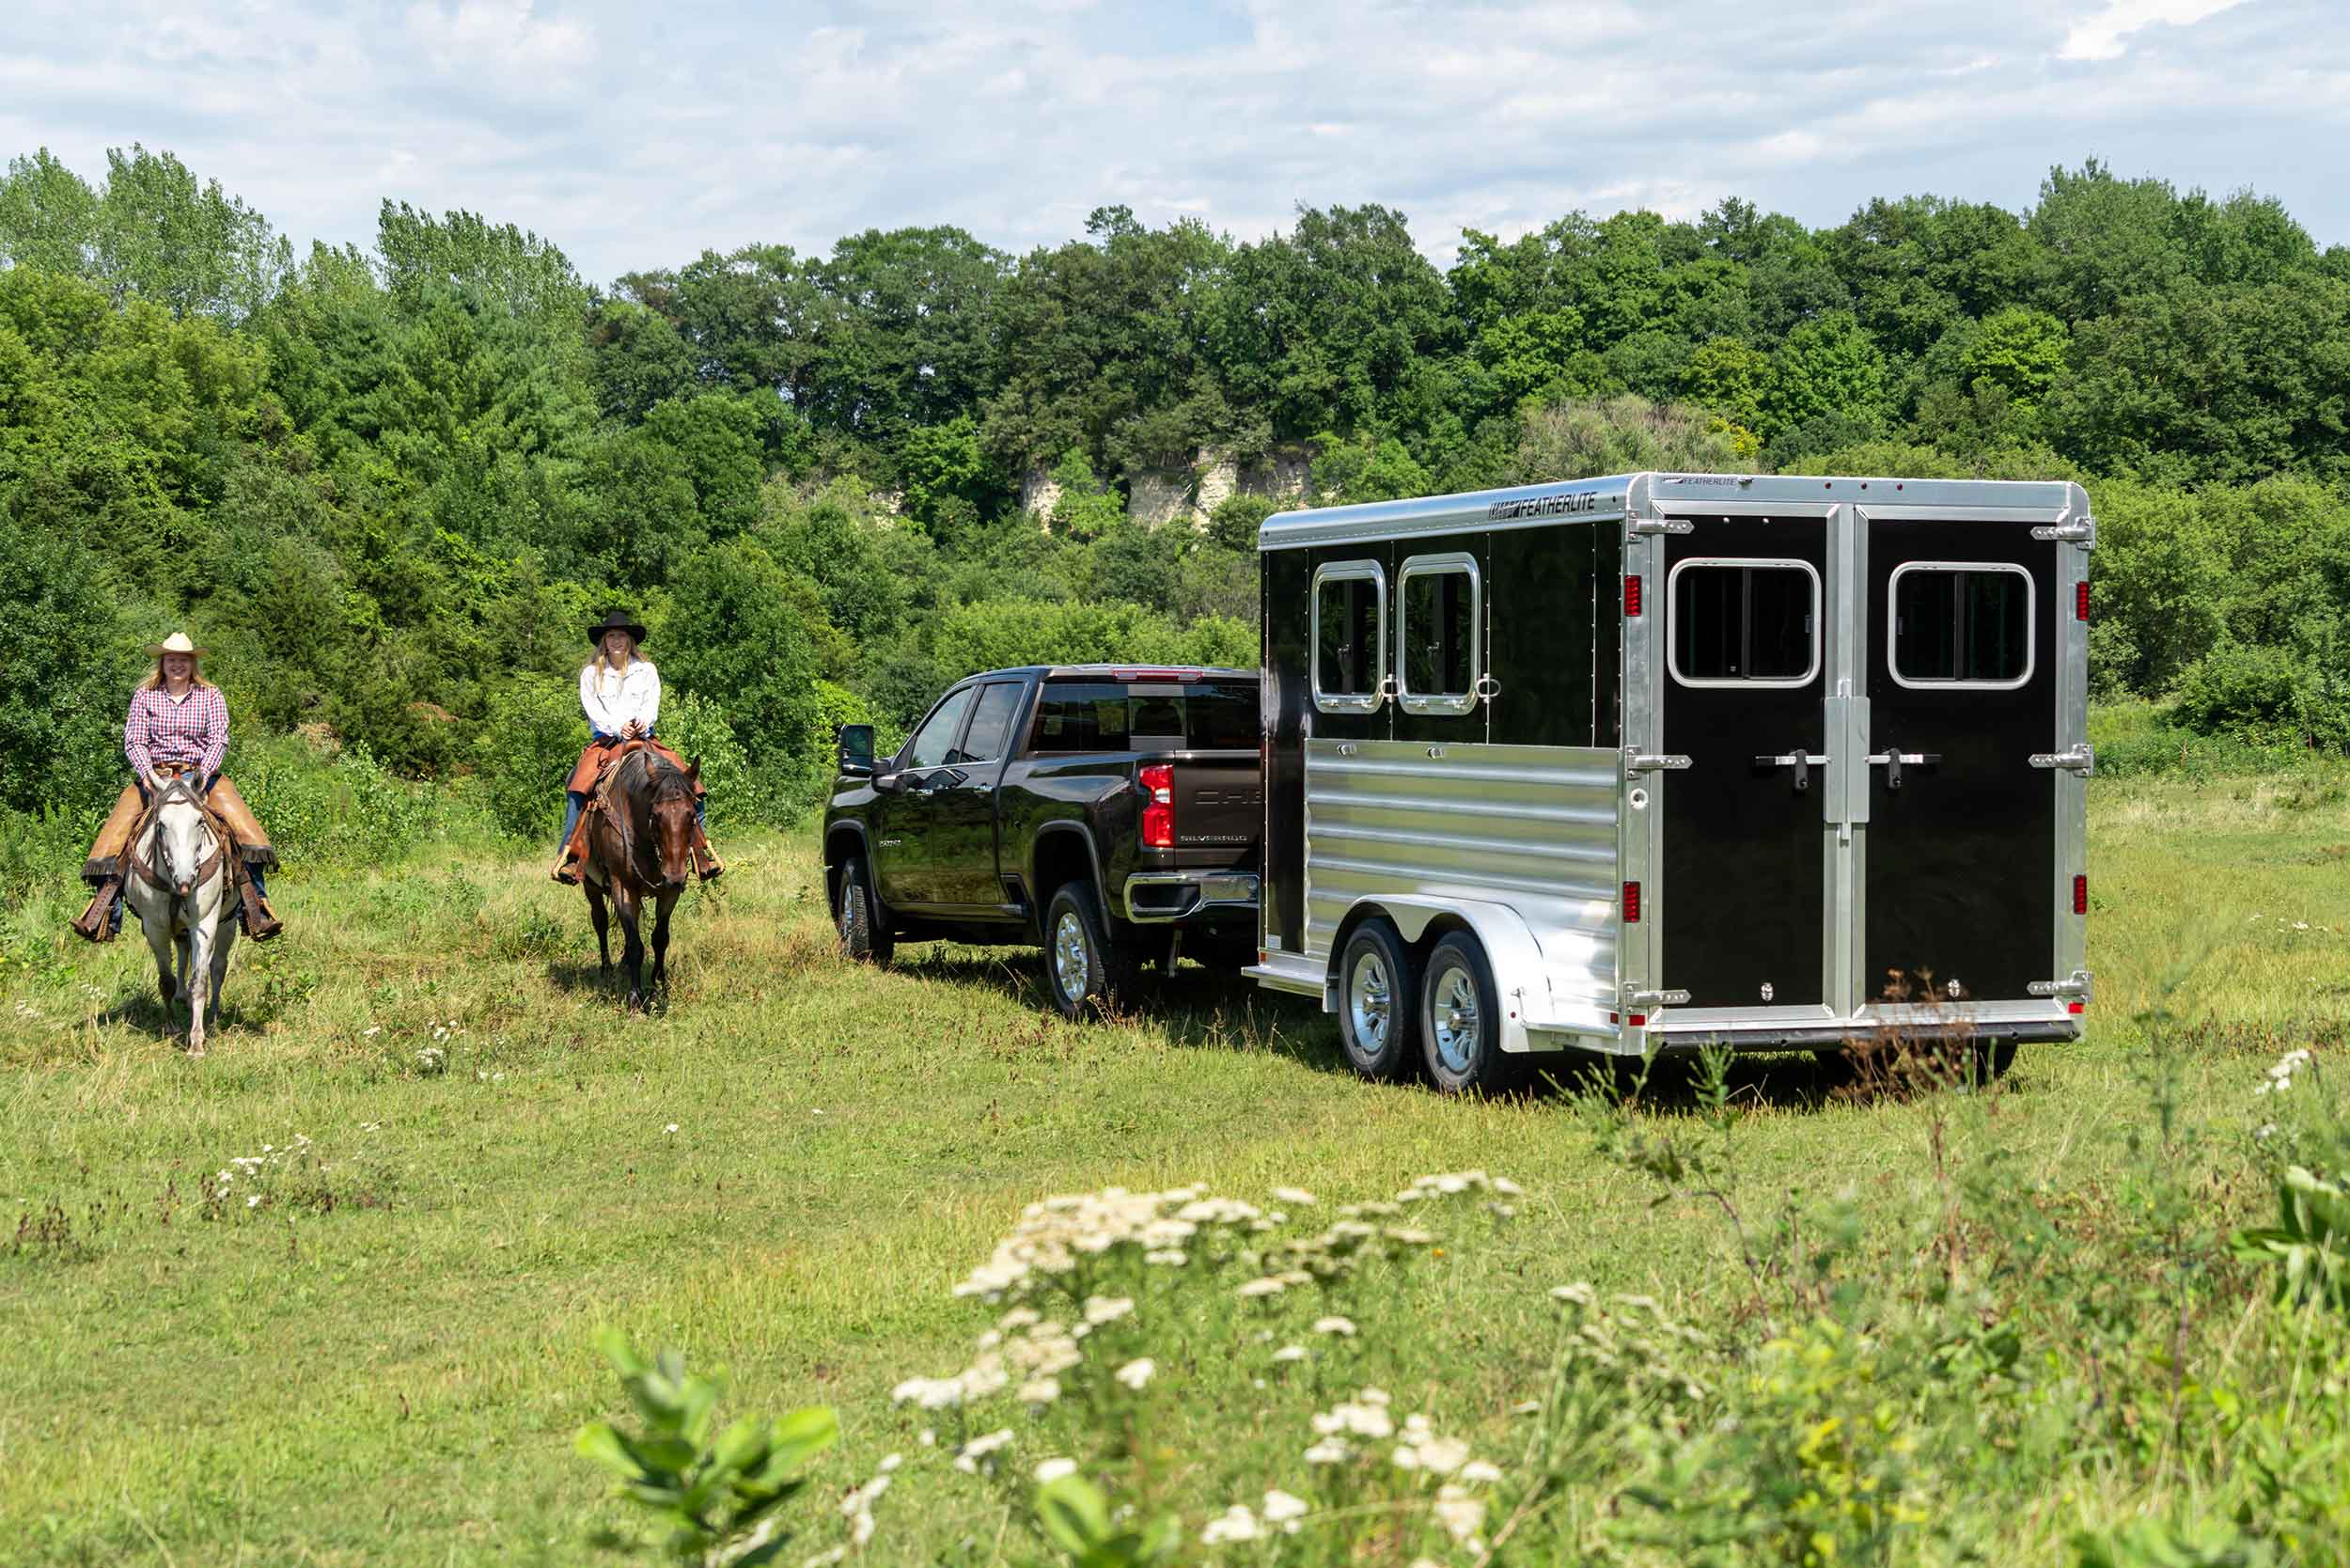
(1460, 1021)
(863, 937)
(1084, 968)
(1378, 984)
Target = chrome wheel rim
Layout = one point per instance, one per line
(1370, 1003)
(840, 914)
(1070, 961)
(1454, 1021)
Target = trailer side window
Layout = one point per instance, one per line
(1440, 633)
(1350, 634)
(1736, 622)
(1960, 624)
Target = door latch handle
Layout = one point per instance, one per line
(1802, 761)
(1891, 762)
(2080, 758)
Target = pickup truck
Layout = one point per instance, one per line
(1111, 814)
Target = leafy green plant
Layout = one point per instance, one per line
(719, 1492)
(2309, 1244)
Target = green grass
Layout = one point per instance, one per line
(386, 1362)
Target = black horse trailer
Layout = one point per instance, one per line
(1668, 760)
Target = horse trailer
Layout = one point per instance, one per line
(1670, 760)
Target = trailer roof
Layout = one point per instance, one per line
(1608, 499)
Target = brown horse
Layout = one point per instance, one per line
(639, 846)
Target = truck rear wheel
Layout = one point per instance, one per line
(863, 937)
(1083, 967)
(1378, 987)
(1460, 1021)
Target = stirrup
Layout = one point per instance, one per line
(259, 924)
(565, 871)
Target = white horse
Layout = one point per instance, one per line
(180, 886)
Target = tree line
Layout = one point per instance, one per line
(388, 486)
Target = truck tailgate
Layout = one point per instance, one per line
(1219, 808)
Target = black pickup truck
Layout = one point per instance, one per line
(1108, 813)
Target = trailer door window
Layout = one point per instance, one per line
(1966, 624)
(1350, 633)
(1440, 633)
(1738, 622)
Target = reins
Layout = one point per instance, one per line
(150, 828)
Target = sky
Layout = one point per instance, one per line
(640, 132)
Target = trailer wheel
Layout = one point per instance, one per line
(1082, 969)
(1460, 1021)
(862, 937)
(1378, 986)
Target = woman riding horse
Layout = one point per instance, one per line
(621, 694)
(177, 725)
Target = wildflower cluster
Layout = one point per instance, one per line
(1364, 1461)
(1368, 1231)
(246, 1176)
(2280, 1076)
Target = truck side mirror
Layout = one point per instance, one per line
(856, 751)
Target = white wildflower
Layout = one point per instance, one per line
(371, 1033)
(1507, 1188)
(1460, 1515)
(1262, 1287)
(1478, 1473)
(670, 1128)
(1282, 1509)
(1579, 1294)
(1169, 1256)
(1052, 1469)
(1342, 1327)
(930, 1393)
(968, 1458)
(891, 1463)
(1040, 1390)
(1290, 1352)
(1297, 1197)
(1527, 1407)
(253, 1200)
(1107, 1308)
(1234, 1524)
(1134, 1374)
(1330, 1451)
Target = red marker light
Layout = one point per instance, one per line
(2080, 600)
(1632, 903)
(1158, 809)
(2080, 894)
(1631, 596)
(2077, 1007)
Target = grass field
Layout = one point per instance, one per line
(384, 1360)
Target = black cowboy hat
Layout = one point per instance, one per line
(615, 620)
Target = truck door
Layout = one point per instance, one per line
(1739, 913)
(962, 807)
(906, 804)
(1961, 672)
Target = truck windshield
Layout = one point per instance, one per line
(1202, 715)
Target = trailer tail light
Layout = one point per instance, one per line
(1632, 903)
(1631, 597)
(2080, 894)
(2077, 1008)
(1638, 1020)
(2080, 600)
(1158, 805)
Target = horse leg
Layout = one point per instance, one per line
(195, 955)
(224, 938)
(158, 932)
(630, 907)
(665, 901)
(602, 919)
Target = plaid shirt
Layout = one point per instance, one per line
(193, 730)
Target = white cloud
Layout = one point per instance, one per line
(638, 135)
(2100, 37)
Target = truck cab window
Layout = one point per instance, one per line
(1961, 624)
(1350, 636)
(1744, 622)
(933, 742)
(1440, 630)
(991, 723)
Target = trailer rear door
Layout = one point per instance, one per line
(1740, 912)
(1961, 659)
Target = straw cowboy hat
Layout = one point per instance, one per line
(615, 620)
(176, 643)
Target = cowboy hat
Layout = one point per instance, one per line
(615, 620)
(176, 643)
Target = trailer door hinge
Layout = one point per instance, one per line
(1662, 525)
(1642, 999)
(1635, 761)
(2082, 534)
(2075, 989)
(2080, 758)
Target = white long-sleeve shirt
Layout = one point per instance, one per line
(611, 700)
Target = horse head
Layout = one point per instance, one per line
(183, 839)
(671, 809)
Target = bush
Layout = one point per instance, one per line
(70, 658)
(2266, 696)
(522, 756)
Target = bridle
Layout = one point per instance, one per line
(151, 833)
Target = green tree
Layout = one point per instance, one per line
(1826, 367)
(746, 636)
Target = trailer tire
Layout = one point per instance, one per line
(1084, 969)
(1378, 996)
(863, 937)
(1460, 1021)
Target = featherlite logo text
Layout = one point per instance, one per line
(1545, 506)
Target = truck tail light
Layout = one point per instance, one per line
(2080, 894)
(1631, 596)
(1632, 903)
(2080, 600)
(1158, 805)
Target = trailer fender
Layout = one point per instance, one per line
(1509, 947)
